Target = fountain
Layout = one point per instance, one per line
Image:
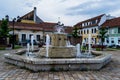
(60, 55)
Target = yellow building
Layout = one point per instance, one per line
(90, 26)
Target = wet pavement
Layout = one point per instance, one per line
(109, 72)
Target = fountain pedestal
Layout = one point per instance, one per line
(58, 48)
(59, 52)
(58, 40)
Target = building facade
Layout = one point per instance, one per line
(113, 27)
(30, 24)
(90, 26)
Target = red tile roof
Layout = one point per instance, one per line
(68, 29)
(31, 26)
(112, 22)
(79, 25)
(45, 26)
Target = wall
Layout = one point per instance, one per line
(28, 32)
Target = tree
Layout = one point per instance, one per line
(102, 35)
(4, 30)
(75, 33)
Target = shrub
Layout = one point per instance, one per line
(98, 49)
(98, 46)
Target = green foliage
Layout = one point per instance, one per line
(98, 49)
(17, 47)
(102, 34)
(75, 33)
(83, 48)
(4, 30)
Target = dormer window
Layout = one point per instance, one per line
(93, 22)
(96, 20)
(83, 24)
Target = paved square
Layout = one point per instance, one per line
(109, 72)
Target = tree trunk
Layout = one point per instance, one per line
(102, 46)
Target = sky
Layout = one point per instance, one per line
(69, 12)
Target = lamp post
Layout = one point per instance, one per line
(13, 45)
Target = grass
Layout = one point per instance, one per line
(112, 49)
(17, 46)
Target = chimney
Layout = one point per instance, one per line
(35, 14)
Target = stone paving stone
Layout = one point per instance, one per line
(66, 76)
(50, 76)
(61, 75)
(108, 72)
(56, 76)
(80, 76)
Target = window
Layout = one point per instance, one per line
(38, 37)
(81, 31)
(87, 31)
(96, 20)
(118, 40)
(85, 39)
(107, 41)
(93, 22)
(84, 32)
(118, 30)
(23, 37)
(92, 30)
(95, 30)
(30, 36)
(82, 24)
(112, 31)
(112, 40)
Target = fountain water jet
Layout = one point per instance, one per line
(30, 50)
(47, 45)
(32, 42)
(78, 50)
(89, 41)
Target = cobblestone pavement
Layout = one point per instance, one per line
(109, 72)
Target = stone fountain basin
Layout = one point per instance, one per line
(47, 64)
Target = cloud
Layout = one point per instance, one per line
(69, 11)
(94, 7)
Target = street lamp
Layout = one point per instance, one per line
(13, 45)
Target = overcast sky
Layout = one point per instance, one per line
(69, 11)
